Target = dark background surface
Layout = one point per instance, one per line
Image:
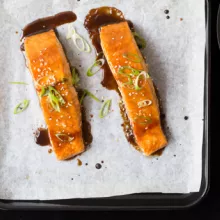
(209, 207)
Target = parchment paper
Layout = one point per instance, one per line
(175, 54)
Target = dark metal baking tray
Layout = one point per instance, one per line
(140, 201)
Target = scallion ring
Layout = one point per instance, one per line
(105, 108)
(20, 83)
(75, 76)
(99, 63)
(64, 137)
(21, 106)
(138, 78)
(84, 45)
(144, 103)
(132, 70)
(85, 93)
(132, 57)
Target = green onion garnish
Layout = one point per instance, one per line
(139, 40)
(144, 103)
(21, 83)
(64, 137)
(54, 97)
(132, 57)
(21, 106)
(132, 72)
(99, 63)
(78, 40)
(82, 97)
(75, 76)
(92, 96)
(136, 82)
(105, 108)
(85, 93)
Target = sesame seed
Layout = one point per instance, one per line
(69, 117)
(113, 38)
(122, 37)
(50, 119)
(62, 130)
(38, 69)
(61, 116)
(56, 120)
(59, 144)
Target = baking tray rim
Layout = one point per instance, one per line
(194, 198)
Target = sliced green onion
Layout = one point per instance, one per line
(85, 93)
(132, 72)
(105, 108)
(71, 33)
(144, 103)
(92, 96)
(82, 97)
(75, 77)
(21, 83)
(64, 137)
(54, 97)
(43, 91)
(139, 40)
(132, 57)
(100, 63)
(136, 82)
(21, 106)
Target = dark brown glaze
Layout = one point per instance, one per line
(127, 126)
(95, 19)
(86, 128)
(42, 137)
(79, 162)
(158, 153)
(48, 23)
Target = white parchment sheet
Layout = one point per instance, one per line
(175, 54)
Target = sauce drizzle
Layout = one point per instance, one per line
(95, 19)
(44, 24)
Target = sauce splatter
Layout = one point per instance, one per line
(98, 166)
(79, 162)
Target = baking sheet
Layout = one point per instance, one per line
(175, 54)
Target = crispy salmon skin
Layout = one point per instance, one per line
(131, 74)
(58, 98)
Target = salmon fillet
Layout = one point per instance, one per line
(49, 68)
(122, 54)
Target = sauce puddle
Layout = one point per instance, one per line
(42, 137)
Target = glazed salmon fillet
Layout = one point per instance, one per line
(131, 74)
(58, 98)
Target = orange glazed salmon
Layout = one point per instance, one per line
(58, 98)
(135, 85)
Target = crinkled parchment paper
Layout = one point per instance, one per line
(175, 54)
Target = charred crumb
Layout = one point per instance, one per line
(166, 11)
(71, 178)
(167, 17)
(174, 155)
(86, 164)
(102, 161)
(16, 32)
(181, 19)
